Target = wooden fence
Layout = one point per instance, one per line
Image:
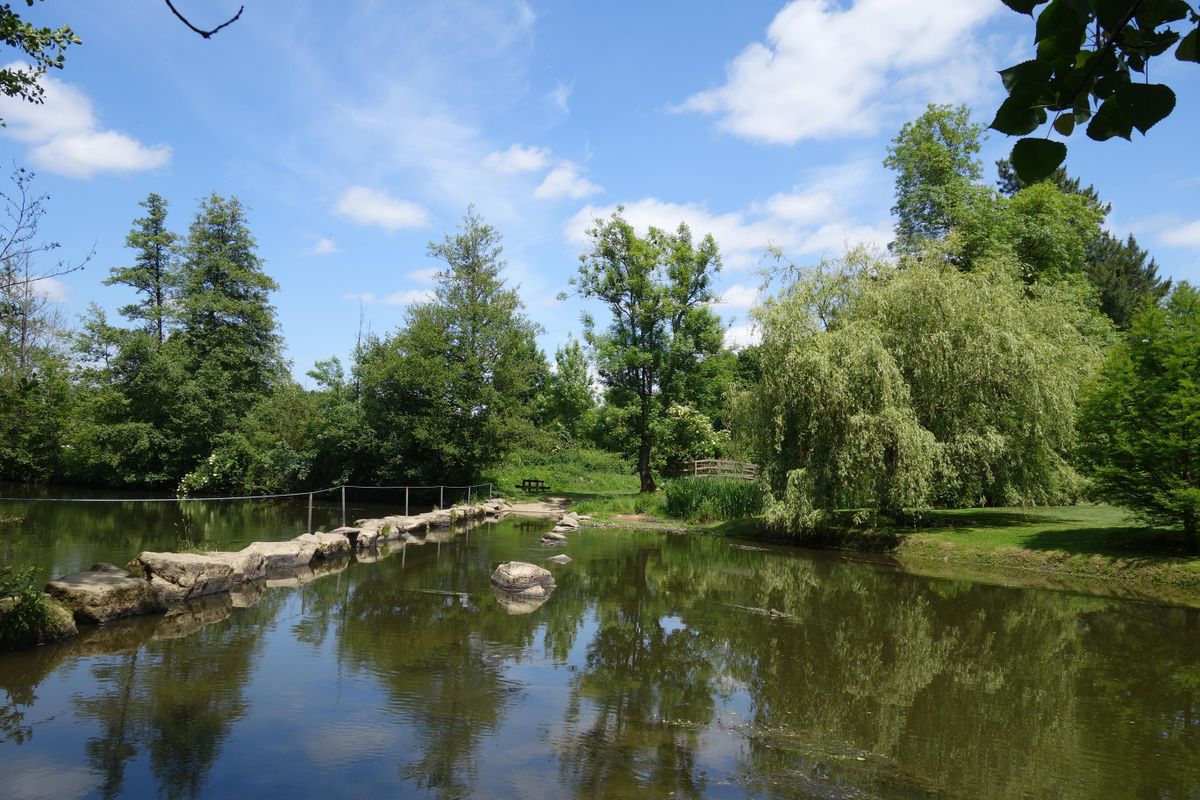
(716, 468)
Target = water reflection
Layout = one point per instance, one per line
(660, 666)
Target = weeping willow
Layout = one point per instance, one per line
(894, 387)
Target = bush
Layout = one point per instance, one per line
(710, 499)
(24, 612)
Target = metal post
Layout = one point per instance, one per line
(406, 501)
(489, 491)
(343, 506)
(310, 495)
(441, 497)
(468, 495)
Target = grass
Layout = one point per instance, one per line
(1093, 542)
(714, 499)
(569, 471)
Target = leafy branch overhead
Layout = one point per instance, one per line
(1083, 73)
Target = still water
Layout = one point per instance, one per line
(654, 670)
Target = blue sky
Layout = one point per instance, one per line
(355, 135)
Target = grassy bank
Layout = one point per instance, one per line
(1090, 542)
(568, 472)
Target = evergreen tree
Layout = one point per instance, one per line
(453, 390)
(154, 273)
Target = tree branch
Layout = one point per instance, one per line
(204, 34)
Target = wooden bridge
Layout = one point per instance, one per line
(716, 468)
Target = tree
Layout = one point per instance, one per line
(1140, 419)
(918, 384)
(46, 46)
(934, 158)
(453, 390)
(20, 247)
(657, 289)
(569, 399)
(154, 273)
(1083, 72)
(1122, 273)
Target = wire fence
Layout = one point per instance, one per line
(441, 489)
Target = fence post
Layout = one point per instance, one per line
(441, 497)
(468, 495)
(343, 506)
(489, 491)
(406, 501)
(310, 495)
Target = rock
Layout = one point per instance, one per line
(183, 576)
(366, 539)
(570, 520)
(290, 578)
(248, 594)
(561, 558)
(285, 555)
(519, 576)
(348, 532)
(57, 623)
(184, 619)
(553, 536)
(248, 564)
(524, 602)
(328, 545)
(563, 529)
(105, 592)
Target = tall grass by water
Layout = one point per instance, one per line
(712, 499)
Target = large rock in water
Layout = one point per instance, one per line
(183, 576)
(285, 555)
(56, 623)
(105, 592)
(524, 602)
(328, 545)
(248, 564)
(521, 578)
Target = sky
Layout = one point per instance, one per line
(356, 133)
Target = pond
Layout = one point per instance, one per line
(655, 669)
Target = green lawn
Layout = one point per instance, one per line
(567, 471)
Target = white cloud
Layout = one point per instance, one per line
(428, 275)
(566, 180)
(739, 336)
(408, 297)
(518, 159)
(64, 135)
(560, 97)
(366, 298)
(1184, 234)
(52, 289)
(324, 246)
(375, 207)
(738, 297)
(808, 221)
(831, 70)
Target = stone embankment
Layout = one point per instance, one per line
(173, 583)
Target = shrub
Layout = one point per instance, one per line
(25, 612)
(710, 499)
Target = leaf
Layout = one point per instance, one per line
(1035, 159)
(1146, 104)
(1023, 6)
(1065, 124)
(1015, 118)
(1189, 48)
(1110, 120)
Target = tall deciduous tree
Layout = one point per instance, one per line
(154, 273)
(1140, 420)
(937, 170)
(657, 289)
(569, 400)
(453, 390)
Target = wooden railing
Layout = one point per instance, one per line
(716, 468)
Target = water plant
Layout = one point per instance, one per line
(711, 499)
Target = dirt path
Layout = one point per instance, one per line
(551, 506)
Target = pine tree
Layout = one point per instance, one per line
(155, 271)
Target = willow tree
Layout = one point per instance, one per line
(899, 387)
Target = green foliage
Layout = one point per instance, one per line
(23, 618)
(568, 401)
(1140, 419)
(937, 170)
(714, 499)
(682, 433)
(568, 468)
(654, 351)
(1086, 68)
(917, 384)
(45, 46)
(453, 390)
(154, 274)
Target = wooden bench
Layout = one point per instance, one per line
(532, 485)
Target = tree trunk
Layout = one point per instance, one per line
(644, 470)
(1189, 532)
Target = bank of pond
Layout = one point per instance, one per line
(660, 664)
